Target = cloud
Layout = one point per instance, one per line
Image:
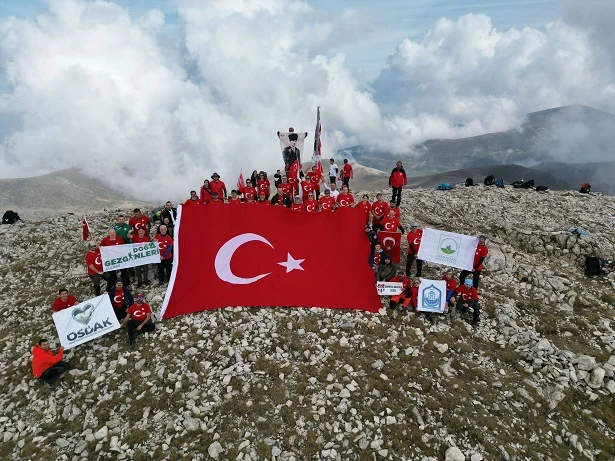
(93, 87)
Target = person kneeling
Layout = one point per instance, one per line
(466, 297)
(138, 319)
(46, 364)
(405, 287)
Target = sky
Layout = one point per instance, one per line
(152, 95)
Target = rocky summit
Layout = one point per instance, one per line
(535, 380)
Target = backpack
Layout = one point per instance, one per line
(489, 180)
(585, 188)
(469, 182)
(10, 217)
(445, 186)
(528, 184)
(593, 266)
(541, 188)
(499, 182)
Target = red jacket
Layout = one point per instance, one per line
(398, 178)
(414, 241)
(481, 253)
(468, 295)
(59, 305)
(205, 196)
(43, 360)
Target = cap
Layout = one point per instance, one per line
(482, 236)
(448, 271)
(119, 281)
(400, 271)
(140, 295)
(414, 224)
(215, 194)
(468, 282)
(327, 191)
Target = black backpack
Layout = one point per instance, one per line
(10, 217)
(593, 266)
(541, 188)
(490, 180)
(499, 182)
(469, 182)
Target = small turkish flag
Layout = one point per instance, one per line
(85, 229)
(391, 244)
(268, 256)
(240, 182)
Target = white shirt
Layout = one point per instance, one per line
(332, 170)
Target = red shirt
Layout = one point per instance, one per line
(366, 207)
(164, 241)
(217, 202)
(286, 188)
(450, 284)
(43, 360)
(468, 295)
(377, 258)
(263, 187)
(315, 179)
(297, 207)
(139, 223)
(217, 187)
(234, 201)
(344, 200)
(93, 258)
(248, 192)
(311, 206)
(198, 201)
(139, 312)
(414, 241)
(205, 195)
(59, 305)
(346, 170)
(137, 239)
(481, 252)
(107, 242)
(118, 298)
(397, 212)
(306, 188)
(405, 282)
(263, 203)
(380, 210)
(390, 224)
(326, 203)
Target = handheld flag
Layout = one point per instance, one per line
(316, 157)
(85, 229)
(240, 181)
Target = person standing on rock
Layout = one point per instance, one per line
(93, 261)
(397, 181)
(141, 271)
(391, 224)
(48, 365)
(366, 207)
(113, 239)
(138, 319)
(479, 258)
(333, 171)
(371, 236)
(414, 243)
(120, 298)
(64, 301)
(122, 229)
(466, 297)
(395, 208)
(165, 245)
(139, 221)
(380, 209)
(218, 186)
(347, 174)
(169, 212)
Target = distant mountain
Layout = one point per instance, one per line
(568, 134)
(61, 191)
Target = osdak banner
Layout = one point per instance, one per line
(130, 255)
(389, 288)
(448, 248)
(85, 321)
(432, 296)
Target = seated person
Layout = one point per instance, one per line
(48, 365)
(65, 301)
(386, 270)
(138, 319)
(466, 296)
(406, 284)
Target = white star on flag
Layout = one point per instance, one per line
(291, 264)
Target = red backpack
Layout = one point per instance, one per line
(585, 188)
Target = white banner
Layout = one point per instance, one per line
(85, 321)
(448, 248)
(389, 288)
(432, 295)
(130, 255)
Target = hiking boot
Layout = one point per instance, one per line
(392, 304)
(132, 344)
(48, 384)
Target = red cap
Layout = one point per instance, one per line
(291, 130)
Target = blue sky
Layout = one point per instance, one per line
(388, 21)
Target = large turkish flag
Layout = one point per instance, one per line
(269, 256)
(391, 244)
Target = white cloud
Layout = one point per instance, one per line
(95, 88)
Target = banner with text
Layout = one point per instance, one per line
(130, 255)
(389, 288)
(432, 296)
(85, 321)
(448, 248)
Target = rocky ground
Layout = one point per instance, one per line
(534, 381)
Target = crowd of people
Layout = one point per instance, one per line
(302, 194)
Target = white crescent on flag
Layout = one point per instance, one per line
(388, 247)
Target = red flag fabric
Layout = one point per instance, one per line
(269, 256)
(85, 229)
(240, 182)
(391, 244)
